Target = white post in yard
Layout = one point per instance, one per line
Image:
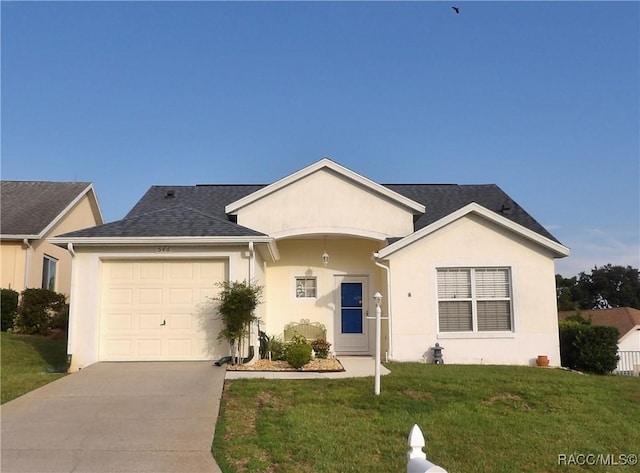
(378, 298)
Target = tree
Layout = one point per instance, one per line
(605, 287)
(238, 301)
(611, 286)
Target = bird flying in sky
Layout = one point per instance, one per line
(456, 9)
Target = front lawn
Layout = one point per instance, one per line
(29, 362)
(474, 418)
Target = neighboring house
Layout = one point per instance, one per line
(464, 266)
(31, 212)
(625, 319)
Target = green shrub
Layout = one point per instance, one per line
(298, 354)
(60, 319)
(9, 307)
(321, 347)
(587, 347)
(599, 349)
(39, 307)
(278, 349)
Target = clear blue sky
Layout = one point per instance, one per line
(540, 98)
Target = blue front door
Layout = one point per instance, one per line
(351, 333)
(351, 307)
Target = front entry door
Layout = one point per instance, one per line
(351, 335)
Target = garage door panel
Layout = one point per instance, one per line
(151, 271)
(180, 348)
(181, 322)
(149, 349)
(150, 295)
(160, 310)
(120, 296)
(118, 349)
(181, 272)
(150, 321)
(117, 321)
(182, 295)
(213, 273)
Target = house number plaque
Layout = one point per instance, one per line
(163, 249)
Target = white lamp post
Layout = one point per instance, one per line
(378, 298)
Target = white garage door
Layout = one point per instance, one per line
(159, 310)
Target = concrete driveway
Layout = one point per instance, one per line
(116, 417)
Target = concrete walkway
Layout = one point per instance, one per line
(116, 417)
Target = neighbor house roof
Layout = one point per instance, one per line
(29, 209)
(625, 319)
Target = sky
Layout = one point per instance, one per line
(540, 98)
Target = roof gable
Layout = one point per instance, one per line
(30, 209)
(326, 163)
(474, 208)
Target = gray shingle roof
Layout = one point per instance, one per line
(441, 200)
(199, 210)
(174, 221)
(29, 207)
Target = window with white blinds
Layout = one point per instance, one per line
(474, 299)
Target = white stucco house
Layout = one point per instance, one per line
(460, 265)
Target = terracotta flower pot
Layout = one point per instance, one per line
(543, 360)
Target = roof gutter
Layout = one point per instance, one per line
(387, 270)
(154, 240)
(171, 240)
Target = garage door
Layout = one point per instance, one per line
(159, 310)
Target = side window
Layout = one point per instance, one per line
(474, 300)
(306, 287)
(49, 266)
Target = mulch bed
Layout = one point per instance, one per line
(318, 364)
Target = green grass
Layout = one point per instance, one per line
(29, 362)
(474, 418)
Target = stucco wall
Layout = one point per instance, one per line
(345, 208)
(630, 342)
(303, 257)
(13, 258)
(473, 242)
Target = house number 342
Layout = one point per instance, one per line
(163, 249)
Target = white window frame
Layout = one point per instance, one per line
(47, 262)
(306, 290)
(474, 299)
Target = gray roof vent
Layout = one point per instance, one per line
(170, 194)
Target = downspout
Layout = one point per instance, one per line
(252, 261)
(71, 330)
(27, 268)
(390, 319)
(253, 335)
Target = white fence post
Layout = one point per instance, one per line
(416, 459)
